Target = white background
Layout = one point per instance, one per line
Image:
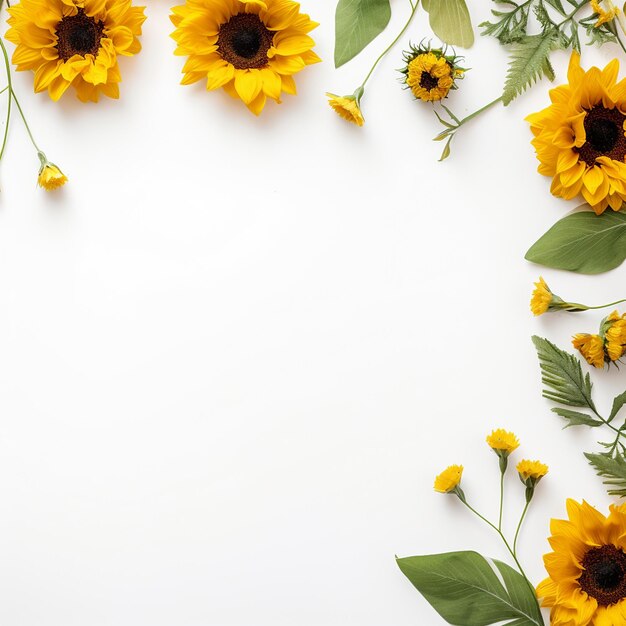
(236, 351)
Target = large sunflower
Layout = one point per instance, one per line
(251, 48)
(75, 42)
(587, 570)
(580, 139)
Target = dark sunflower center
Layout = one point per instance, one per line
(428, 82)
(604, 574)
(78, 34)
(604, 129)
(244, 41)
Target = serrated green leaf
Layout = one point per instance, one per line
(612, 469)
(511, 26)
(450, 21)
(618, 403)
(357, 23)
(530, 61)
(466, 591)
(583, 242)
(562, 375)
(574, 418)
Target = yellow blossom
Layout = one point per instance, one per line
(51, 177)
(449, 479)
(347, 107)
(591, 347)
(502, 442)
(531, 470)
(604, 16)
(541, 298)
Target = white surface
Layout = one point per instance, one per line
(235, 351)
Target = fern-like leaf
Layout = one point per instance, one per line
(562, 376)
(612, 469)
(530, 61)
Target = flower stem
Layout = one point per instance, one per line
(519, 526)
(501, 500)
(393, 43)
(506, 543)
(10, 99)
(30, 134)
(481, 110)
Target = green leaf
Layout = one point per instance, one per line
(464, 588)
(357, 23)
(583, 242)
(530, 61)
(574, 418)
(562, 374)
(511, 25)
(613, 469)
(450, 21)
(618, 403)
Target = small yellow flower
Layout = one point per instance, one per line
(449, 479)
(591, 347)
(541, 298)
(347, 107)
(51, 177)
(531, 471)
(604, 16)
(502, 442)
(430, 74)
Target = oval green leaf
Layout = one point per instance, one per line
(464, 588)
(583, 242)
(450, 21)
(357, 23)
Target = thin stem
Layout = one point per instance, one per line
(506, 543)
(519, 527)
(475, 113)
(10, 99)
(30, 134)
(501, 500)
(393, 43)
(569, 17)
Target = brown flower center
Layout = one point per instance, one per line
(604, 574)
(78, 34)
(428, 82)
(244, 41)
(604, 129)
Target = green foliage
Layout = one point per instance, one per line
(612, 467)
(563, 377)
(562, 374)
(357, 23)
(583, 242)
(450, 21)
(575, 418)
(530, 61)
(468, 590)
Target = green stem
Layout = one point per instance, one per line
(10, 99)
(475, 113)
(393, 43)
(30, 134)
(519, 526)
(506, 543)
(501, 500)
(569, 17)
(600, 306)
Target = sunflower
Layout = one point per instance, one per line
(251, 48)
(429, 73)
(604, 15)
(75, 42)
(531, 472)
(541, 298)
(51, 177)
(580, 139)
(609, 346)
(587, 570)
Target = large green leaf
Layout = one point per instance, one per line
(613, 469)
(357, 22)
(464, 588)
(583, 242)
(450, 21)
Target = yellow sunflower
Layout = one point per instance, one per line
(502, 442)
(614, 330)
(604, 15)
(586, 584)
(429, 73)
(591, 347)
(250, 48)
(75, 42)
(580, 139)
(541, 298)
(51, 177)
